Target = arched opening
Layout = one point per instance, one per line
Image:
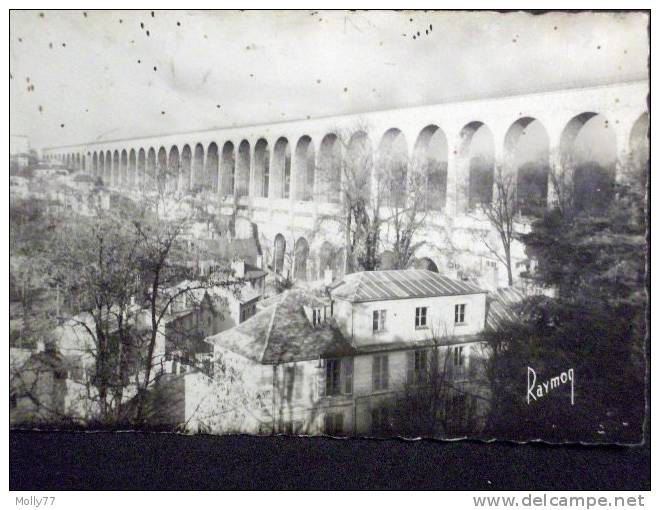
(95, 164)
(211, 164)
(330, 258)
(393, 168)
(358, 164)
(243, 170)
(425, 263)
(281, 174)
(151, 169)
(478, 150)
(115, 168)
(83, 162)
(305, 165)
(279, 249)
(101, 168)
(430, 158)
(123, 169)
(300, 259)
(527, 152)
(588, 147)
(78, 161)
(161, 169)
(261, 168)
(186, 162)
(199, 175)
(639, 148)
(132, 168)
(141, 168)
(228, 169)
(173, 169)
(328, 179)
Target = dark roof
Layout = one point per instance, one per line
(399, 284)
(282, 333)
(500, 307)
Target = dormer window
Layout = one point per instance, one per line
(317, 317)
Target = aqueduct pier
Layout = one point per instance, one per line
(285, 176)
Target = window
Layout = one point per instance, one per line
(334, 424)
(339, 376)
(379, 320)
(417, 366)
(381, 421)
(457, 356)
(380, 372)
(316, 317)
(459, 314)
(420, 317)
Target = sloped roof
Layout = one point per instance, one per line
(399, 284)
(500, 307)
(282, 333)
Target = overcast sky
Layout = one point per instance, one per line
(81, 76)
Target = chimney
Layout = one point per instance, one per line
(238, 266)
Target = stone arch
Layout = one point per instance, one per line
(186, 168)
(305, 166)
(123, 168)
(328, 178)
(101, 168)
(261, 168)
(359, 165)
(281, 169)
(141, 168)
(588, 151)
(77, 161)
(301, 254)
(279, 251)
(161, 169)
(173, 168)
(108, 167)
(242, 188)
(526, 155)
(430, 158)
(115, 168)
(199, 176)
(151, 171)
(228, 169)
(477, 149)
(393, 167)
(132, 168)
(83, 162)
(95, 164)
(426, 263)
(639, 147)
(211, 164)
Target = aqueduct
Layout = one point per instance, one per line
(286, 177)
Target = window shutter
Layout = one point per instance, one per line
(374, 372)
(347, 369)
(385, 376)
(383, 315)
(411, 366)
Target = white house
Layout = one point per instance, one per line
(334, 364)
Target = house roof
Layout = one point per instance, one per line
(399, 284)
(282, 333)
(500, 307)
